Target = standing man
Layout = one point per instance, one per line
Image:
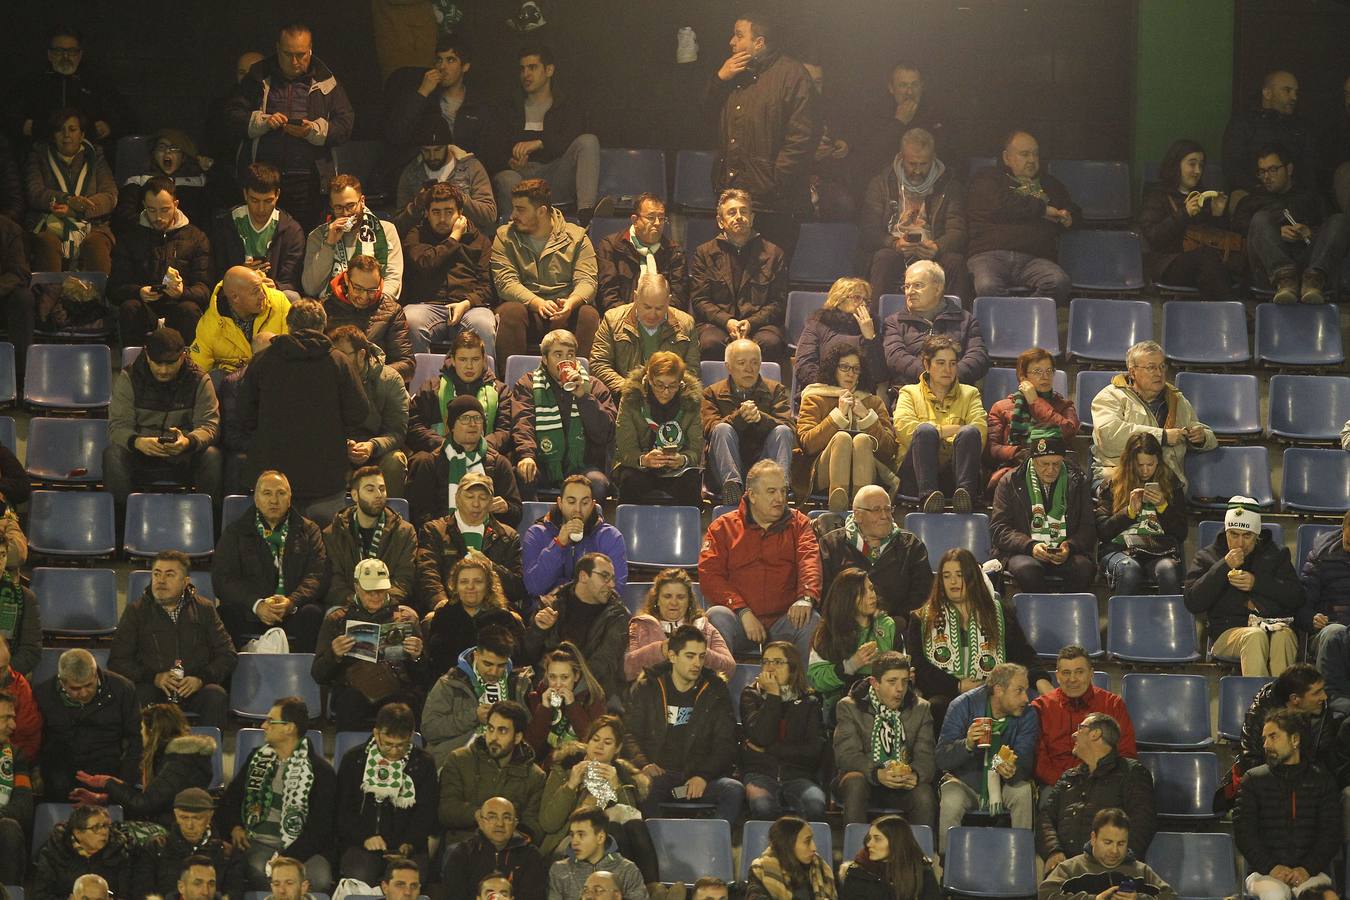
(243, 314)
(414, 94)
(1273, 121)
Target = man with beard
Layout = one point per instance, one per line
(496, 763)
(356, 296)
(441, 161)
(162, 859)
(352, 230)
(377, 440)
(65, 84)
(369, 529)
(434, 476)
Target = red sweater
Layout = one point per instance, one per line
(1061, 716)
(28, 731)
(743, 565)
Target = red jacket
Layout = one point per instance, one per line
(743, 565)
(28, 730)
(1061, 716)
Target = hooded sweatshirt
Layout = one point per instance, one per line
(450, 717)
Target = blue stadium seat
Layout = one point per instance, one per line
(976, 163)
(942, 531)
(532, 511)
(139, 579)
(602, 227)
(1103, 260)
(1170, 712)
(1316, 480)
(76, 602)
(1101, 188)
(1000, 383)
(246, 740)
(1010, 325)
(428, 369)
(1088, 383)
(1225, 472)
(9, 437)
(744, 674)
(660, 536)
(855, 833)
(129, 355)
(71, 524)
(1308, 535)
(1205, 333)
(158, 522)
(66, 451)
(635, 595)
(260, 678)
(800, 306)
(696, 232)
(1208, 530)
(755, 840)
(1183, 783)
(47, 815)
(721, 510)
(825, 251)
(8, 375)
(693, 180)
(1146, 629)
(68, 376)
(689, 849)
(1227, 402)
(519, 364)
(626, 173)
(218, 759)
(1299, 335)
(400, 506)
(1102, 330)
(1308, 407)
(1235, 698)
(15, 891)
(1197, 866)
(1053, 621)
(46, 667)
(234, 506)
(970, 851)
(711, 371)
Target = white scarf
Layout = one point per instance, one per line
(646, 251)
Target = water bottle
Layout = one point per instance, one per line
(178, 675)
(686, 45)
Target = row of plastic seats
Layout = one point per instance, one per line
(83, 602)
(1315, 481)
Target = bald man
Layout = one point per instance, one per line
(1274, 120)
(243, 310)
(90, 887)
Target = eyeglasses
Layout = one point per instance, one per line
(843, 367)
(358, 289)
(655, 219)
(1040, 373)
(1270, 170)
(607, 577)
(346, 209)
(98, 826)
(1152, 368)
(665, 387)
(874, 509)
(769, 661)
(471, 419)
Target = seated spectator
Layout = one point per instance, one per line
(1034, 403)
(163, 423)
(1108, 863)
(498, 862)
(243, 312)
(1016, 214)
(1314, 244)
(852, 633)
(433, 486)
(844, 431)
(449, 276)
(474, 603)
(570, 878)
(387, 798)
(1063, 710)
(87, 846)
(27, 734)
(889, 865)
(90, 723)
(1334, 152)
(20, 616)
(71, 196)
(352, 230)
(587, 614)
(962, 633)
(1143, 400)
(658, 443)
(376, 442)
(636, 329)
(1043, 523)
(682, 731)
(643, 248)
(1325, 577)
(1273, 120)
(173, 155)
(844, 319)
(978, 726)
(790, 865)
(929, 312)
(575, 527)
(896, 562)
(670, 603)
(288, 880)
(1141, 520)
(564, 703)
(270, 570)
(459, 702)
(264, 821)
(160, 864)
(1186, 246)
(196, 879)
(914, 209)
(356, 297)
(710, 887)
(402, 879)
(171, 644)
(440, 161)
(783, 740)
(16, 293)
(495, 763)
(1247, 592)
(738, 284)
(369, 529)
(562, 421)
(543, 268)
(746, 419)
(465, 371)
(16, 814)
(470, 529)
(161, 267)
(1288, 846)
(760, 567)
(358, 685)
(413, 93)
(259, 236)
(940, 429)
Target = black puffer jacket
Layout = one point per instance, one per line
(142, 256)
(1288, 816)
(160, 862)
(1064, 818)
(59, 865)
(185, 763)
(790, 734)
(1277, 592)
(711, 743)
(384, 325)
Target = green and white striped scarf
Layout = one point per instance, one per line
(561, 448)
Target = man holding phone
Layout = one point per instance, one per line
(260, 236)
(1107, 870)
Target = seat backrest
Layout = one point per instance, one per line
(9, 434)
(68, 376)
(1168, 710)
(711, 371)
(970, 851)
(1010, 325)
(66, 450)
(1183, 783)
(1226, 472)
(1207, 332)
(696, 232)
(132, 156)
(1053, 621)
(1088, 383)
(246, 740)
(635, 596)
(532, 511)
(660, 535)
(76, 601)
(1150, 629)
(1197, 866)
(602, 227)
(8, 376)
(158, 522)
(1209, 529)
(47, 815)
(1299, 335)
(357, 158)
(1104, 329)
(1103, 260)
(942, 531)
(232, 507)
(1235, 698)
(428, 370)
(1309, 407)
(260, 678)
(47, 662)
(744, 674)
(692, 848)
(217, 758)
(1308, 534)
(855, 833)
(1227, 402)
(755, 840)
(693, 179)
(71, 523)
(1100, 187)
(1316, 479)
(626, 173)
(825, 251)
(800, 306)
(1001, 382)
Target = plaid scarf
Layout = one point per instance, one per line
(866, 548)
(1047, 524)
(888, 731)
(275, 539)
(387, 779)
(562, 448)
(297, 780)
(964, 652)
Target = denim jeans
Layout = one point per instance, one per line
(1270, 252)
(922, 466)
(728, 623)
(801, 796)
(724, 453)
(996, 271)
(573, 176)
(727, 794)
(429, 322)
(1127, 574)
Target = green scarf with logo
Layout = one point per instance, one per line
(561, 446)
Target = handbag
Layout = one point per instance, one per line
(1150, 546)
(375, 681)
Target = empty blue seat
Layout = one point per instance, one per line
(1103, 260)
(942, 531)
(68, 376)
(1316, 480)
(721, 510)
(1197, 866)
(139, 579)
(744, 674)
(711, 371)
(1299, 335)
(1209, 333)
(71, 524)
(158, 522)
(129, 355)
(855, 833)
(800, 306)
(970, 868)
(1208, 530)
(66, 451)
(1150, 629)
(1170, 712)
(1000, 383)
(1309, 407)
(46, 816)
(660, 536)
(626, 173)
(246, 740)
(8, 375)
(260, 678)
(532, 511)
(400, 506)
(696, 232)
(689, 849)
(755, 840)
(693, 180)
(428, 370)
(234, 506)
(1225, 472)
(1103, 330)
(1101, 188)
(602, 227)
(1183, 783)
(825, 251)
(520, 364)
(1235, 698)
(977, 163)
(9, 435)
(76, 602)
(218, 758)
(1229, 403)
(635, 595)
(46, 667)
(1053, 621)
(1088, 383)
(1308, 535)
(1010, 325)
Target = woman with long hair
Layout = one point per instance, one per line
(1141, 520)
(565, 702)
(671, 603)
(784, 738)
(474, 601)
(1034, 404)
(852, 632)
(890, 866)
(846, 319)
(658, 437)
(790, 868)
(1188, 235)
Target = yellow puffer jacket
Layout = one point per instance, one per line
(917, 405)
(220, 342)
